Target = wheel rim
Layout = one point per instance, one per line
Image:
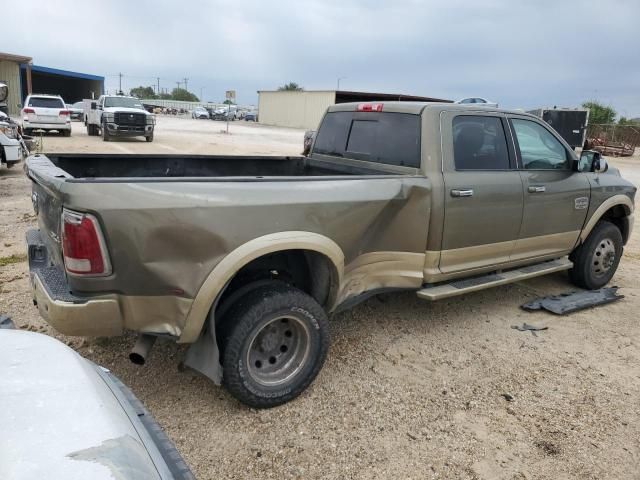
(278, 351)
(603, 258)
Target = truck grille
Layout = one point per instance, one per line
(125, 118)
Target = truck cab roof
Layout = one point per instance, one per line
(415, 108)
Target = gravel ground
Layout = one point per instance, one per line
(410, 389)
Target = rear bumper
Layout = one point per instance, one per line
(67, 313)
(100, 315)
(12, 153)
(129, 130)
(46, 126)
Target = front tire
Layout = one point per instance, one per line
(149, 138)
(105, 133)
(274, 340)
(597, 259)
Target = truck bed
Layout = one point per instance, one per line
(97, 166)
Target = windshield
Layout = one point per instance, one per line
(78, 105)
(122, 102)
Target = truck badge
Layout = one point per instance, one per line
(581, 203)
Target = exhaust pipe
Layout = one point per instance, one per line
(141, 349)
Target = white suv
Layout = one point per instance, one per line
(45, 112)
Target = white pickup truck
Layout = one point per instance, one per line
(118, 116)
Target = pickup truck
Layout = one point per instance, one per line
(245, 257)
(118, 116)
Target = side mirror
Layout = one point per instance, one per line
(592, 161)
(600, 165)
(93, 105)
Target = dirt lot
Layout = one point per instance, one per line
(410, 389)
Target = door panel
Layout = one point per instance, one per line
(483, 207)
(556, 198)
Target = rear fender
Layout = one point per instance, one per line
(214, 285)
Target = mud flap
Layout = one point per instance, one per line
(204, 355)
(574, 301)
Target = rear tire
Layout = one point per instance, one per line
(66, 133)
(597, 259)
(274, 342)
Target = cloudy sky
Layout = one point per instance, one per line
(522, 54)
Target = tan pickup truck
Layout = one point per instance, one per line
(246, 257)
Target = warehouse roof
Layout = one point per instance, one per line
(65, 73)
(15, 58)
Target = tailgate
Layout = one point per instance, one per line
(46, 197)
(46, 115)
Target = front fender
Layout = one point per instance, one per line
(609, 203)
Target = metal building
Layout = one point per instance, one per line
(304, 109)
(10, 75)
(71, 86)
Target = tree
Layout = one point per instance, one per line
(290, 87)
(228, 102)
(629, 121)
(183, 95)
(142, 92)
(164, 96)
(599, 114)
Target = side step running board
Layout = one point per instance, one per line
(458, 287)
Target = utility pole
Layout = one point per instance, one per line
(120, 83)
(340, 78)
(186, 84)
(178, 83)
(158, 78)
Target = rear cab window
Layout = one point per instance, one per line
(479, 143)
(382, 137)
(45, 102)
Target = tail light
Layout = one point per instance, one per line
(83, 245)
(64, 112)
(29, 110)
(370, 107)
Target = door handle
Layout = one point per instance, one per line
(538, 189)
(467, 192)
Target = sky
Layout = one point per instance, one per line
(521, 54)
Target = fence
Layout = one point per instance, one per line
(616, 134)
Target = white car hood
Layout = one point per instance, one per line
(59, 419)
(125, 109)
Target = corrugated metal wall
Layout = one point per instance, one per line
(294, 109)
(10, 74)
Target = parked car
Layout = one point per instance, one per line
(251, 117)
(118, 116)
(63, 416)
(244, 257)
(45, 112)
(200, 112)
(477, 102)
(223, 113)
(12, 146)
(76, 110)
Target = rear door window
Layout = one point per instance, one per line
(381, 137)
(45, 102)
(479, 143)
